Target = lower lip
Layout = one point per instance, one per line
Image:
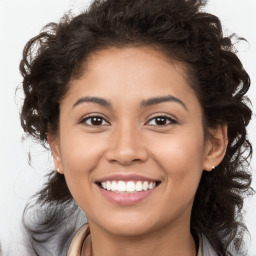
(126, 198)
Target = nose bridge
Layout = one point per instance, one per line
(126, 145)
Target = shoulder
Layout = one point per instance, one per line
(77, 241)
(206, 248)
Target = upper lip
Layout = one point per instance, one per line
(127, 177)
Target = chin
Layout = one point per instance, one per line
(129, 230)
(129, 225)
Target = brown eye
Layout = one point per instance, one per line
(161, 121)
(94, 121)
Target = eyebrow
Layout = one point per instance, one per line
(144, 103)
(162, 99)
(96, 100)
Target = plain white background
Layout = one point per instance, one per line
(22, 19)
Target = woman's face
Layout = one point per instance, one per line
(131, 143)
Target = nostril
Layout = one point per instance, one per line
(126, 157)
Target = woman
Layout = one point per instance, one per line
(143, 106)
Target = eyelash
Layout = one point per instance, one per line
(102, 119)
(166, 118)
(90, 117)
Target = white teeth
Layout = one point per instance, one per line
(109, 185)
(145, 185)
(104, 185)
(139, 186)
(114, 186)
(120, 186)
(129, 186)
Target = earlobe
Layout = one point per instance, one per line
(54, 145)
(216, 146)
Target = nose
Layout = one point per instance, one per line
(126, 146)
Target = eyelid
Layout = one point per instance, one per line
(172, 119)
(91, 115)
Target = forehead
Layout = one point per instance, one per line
(127, 59)
(144, 63)
(131, 72)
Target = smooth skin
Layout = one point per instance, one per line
(133, 112)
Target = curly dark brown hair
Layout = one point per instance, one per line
(184, 33)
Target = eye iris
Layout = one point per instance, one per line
(96, 121)
(161, 120)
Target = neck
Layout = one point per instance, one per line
(165, 242)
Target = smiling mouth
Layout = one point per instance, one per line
(127, 186)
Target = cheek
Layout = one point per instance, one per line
(180, 156)
(80, 157)
(80, 153)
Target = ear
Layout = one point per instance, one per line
(216, 146)
(53, 142)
